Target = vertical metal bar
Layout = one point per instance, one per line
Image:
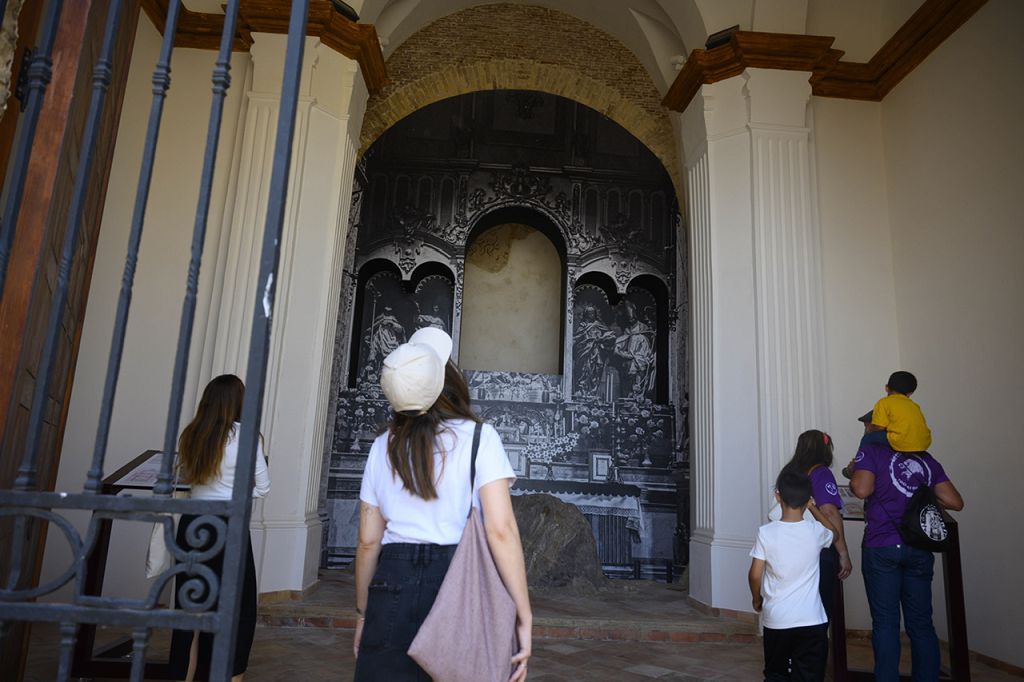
(221, 82)
(67, 647)
(161, 83)
(259, 340)
(140, 640)
(39, 72)
(15, 560)
(101, 77)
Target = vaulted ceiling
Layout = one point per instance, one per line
(662, 32)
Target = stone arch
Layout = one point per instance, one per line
(468, 52)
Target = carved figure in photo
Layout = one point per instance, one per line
(636, 346)
(432, 318)
(592, 344)
(385, 334)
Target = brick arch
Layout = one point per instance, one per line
(476, 49)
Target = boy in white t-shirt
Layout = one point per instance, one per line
(784, 584)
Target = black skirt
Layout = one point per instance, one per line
(181, 640)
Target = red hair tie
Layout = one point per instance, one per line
(826, 437)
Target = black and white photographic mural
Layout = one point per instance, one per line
(604, 427)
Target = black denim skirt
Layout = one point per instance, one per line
(402, 591)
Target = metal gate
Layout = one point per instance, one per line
(208, 603)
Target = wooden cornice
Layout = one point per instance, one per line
(746, 49)
(927, 28)
(355, 41)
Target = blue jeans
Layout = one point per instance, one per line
(874, 438)
(894, 577)
(403, 589)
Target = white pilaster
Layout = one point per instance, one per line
(286, 529)
(757, 343)
(787, 263)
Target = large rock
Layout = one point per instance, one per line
(558, 544)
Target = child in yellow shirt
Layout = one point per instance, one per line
(897, 419)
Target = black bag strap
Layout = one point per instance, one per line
(472, 464)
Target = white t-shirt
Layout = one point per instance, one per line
(219, 487)
(791, 550)
(440, 521)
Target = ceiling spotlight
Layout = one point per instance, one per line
(345, 10)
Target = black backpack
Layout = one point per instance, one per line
(924, 524)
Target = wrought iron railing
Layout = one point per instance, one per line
(208, 602)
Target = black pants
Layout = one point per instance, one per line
(402, 591)
(181, 640)
(828, 565)
(798, 654)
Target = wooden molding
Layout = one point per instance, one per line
(746, 49)
(202, 31)
(925, 30)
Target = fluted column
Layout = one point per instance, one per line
(787, 264)
(286, 528)
(757, 358)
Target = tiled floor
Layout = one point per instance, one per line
(622, 609)
(628, 630)
(308, 653)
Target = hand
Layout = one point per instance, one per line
(524, 631)
(845, 566)
(358, 636)
(757, 603)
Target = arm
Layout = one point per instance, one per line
(948, 496)
(507, 550)
(831, 512)
(262, 478)
(754, 578)
(371, 532)
(822, 519)
(863, 483)
(871, 428)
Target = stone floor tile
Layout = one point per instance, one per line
(653, 671)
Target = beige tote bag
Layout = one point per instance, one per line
(470, 633)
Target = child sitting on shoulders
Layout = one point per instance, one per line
(898, 420)
(784, 584)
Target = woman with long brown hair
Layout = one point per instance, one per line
(413, 503)
(813, 457)
(207, 456)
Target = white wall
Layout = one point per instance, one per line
(140, 410)
(954, 150)
(857, 279)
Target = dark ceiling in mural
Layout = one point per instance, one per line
(609, 433)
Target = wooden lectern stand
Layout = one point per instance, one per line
(113, 661)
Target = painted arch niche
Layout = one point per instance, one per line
(602, 424)
(512, 312)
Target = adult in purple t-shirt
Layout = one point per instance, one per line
(895, 574)
(813, 456)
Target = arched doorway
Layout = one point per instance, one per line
(604, 427)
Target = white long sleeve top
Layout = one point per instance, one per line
(219, 487)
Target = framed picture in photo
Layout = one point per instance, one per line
(600, 465)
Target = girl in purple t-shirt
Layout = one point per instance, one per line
(897, 575)
(813, 456)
